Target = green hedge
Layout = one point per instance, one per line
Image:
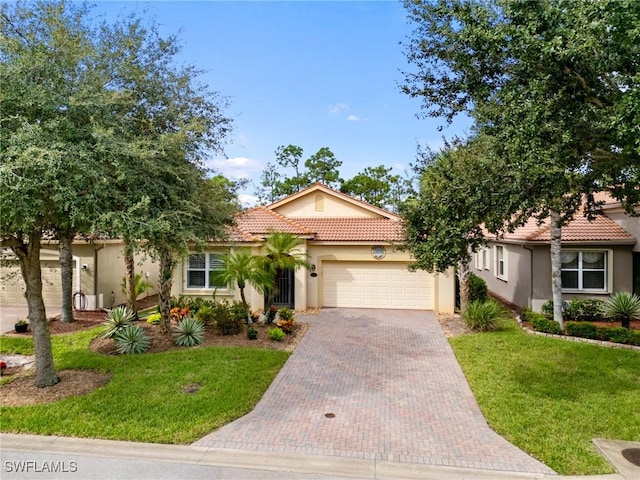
(540, 323)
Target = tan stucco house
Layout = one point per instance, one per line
(351, 245)
(98, 269)
(598, 259)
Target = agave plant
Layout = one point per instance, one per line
(132, 339)
(117, 319)
(188, 333)
(622, 305)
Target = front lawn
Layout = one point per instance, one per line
(172, 397)
(550, 397)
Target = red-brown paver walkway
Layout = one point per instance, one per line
(395, 389)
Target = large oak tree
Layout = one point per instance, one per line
(556, 84)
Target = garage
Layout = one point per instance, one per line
(12, 286)
(376, 285)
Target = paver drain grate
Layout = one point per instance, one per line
(633, 455)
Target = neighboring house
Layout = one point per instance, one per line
(98, 269)
(598, 258)
(351, 246)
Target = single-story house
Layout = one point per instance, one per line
(598, 259)
(352, 249)
(98, 269)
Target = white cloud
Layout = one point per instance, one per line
(248, 201)
(337, 108)
(353, 118)
(235, 168)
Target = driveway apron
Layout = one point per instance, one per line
(374, 384)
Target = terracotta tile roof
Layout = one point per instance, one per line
(260, 221)
(253, 225)
(601, 229)
(353, 229)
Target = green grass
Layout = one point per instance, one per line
(144, 400)
(550, 397)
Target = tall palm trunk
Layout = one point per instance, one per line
(66, 272)
(167, 265)
(130, 273)
(29, 258)
(556, 266)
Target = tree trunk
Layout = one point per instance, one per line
(167, 265)
(463, 278)
(556, 266)
(130, 273)
(66, 272)
(29, 257)
(246, 306)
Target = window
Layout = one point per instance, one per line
(482, 259)
(584, 270)
(200, 268)
(501, 264)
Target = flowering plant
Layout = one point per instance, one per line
(176, 314)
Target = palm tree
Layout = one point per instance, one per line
(623, 305)
(241, 267)
(280, 248)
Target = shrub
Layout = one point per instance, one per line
(619, 334)
(286, 313)
(547, 309)
(154, 319)
(252, 333)
(583, 310)
(484, 316)
(477, 289)
(540, 323)
(205, 314)
(117, 319)
(603, 333)
(196, 303)
(581, 329)
(226, 322)
(238, 310)
(634, 337)
(132, 339)
(176, 314)
(287, 326)
(276, 334)
(188, 333)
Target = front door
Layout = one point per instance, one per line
(284, 290)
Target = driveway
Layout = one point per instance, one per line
(374, 384)
(10, 314)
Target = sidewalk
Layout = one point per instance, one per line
(144, 460)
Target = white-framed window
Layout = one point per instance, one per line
(482, 259)
(200, 268)
(584, 270)
(501, 262)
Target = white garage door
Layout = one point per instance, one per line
(376, 285)
(12, 286)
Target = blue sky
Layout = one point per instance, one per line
(308, 73)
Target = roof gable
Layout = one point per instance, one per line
(320, 201)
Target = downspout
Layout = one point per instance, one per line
(78, 281)
(95, 273)
(530, 250)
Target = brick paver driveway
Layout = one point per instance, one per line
(395, 388)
